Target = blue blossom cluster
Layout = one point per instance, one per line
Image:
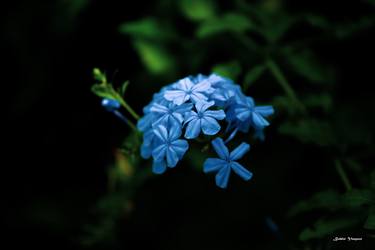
(195, 106)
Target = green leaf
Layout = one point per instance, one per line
(323, 228)
(346, 30)
(147, 28)
(306, 64)
(358, 197)
(123, 88)
(230, 22)
(309, 131)
(197, 10)
(230, 69)
(104, 91)
(370, 221)
(323, 100)
(317, 21)
(252, 75)
(329, 200)
(155, 57)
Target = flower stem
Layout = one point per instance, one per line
(342, 174)
(129, 123)
(127, 107)
(279, 76)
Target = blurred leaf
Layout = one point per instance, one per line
(318, 21)
(357, 198)
(323, 100)
(154, 57)
(123, 88)
(284, 103)
(323, 228)
(306, 64)
(252, 75)
(329, 199)
(104, 91)
(370, 221)
(230, 22)
(198, 10)
(123, 164)
(343, 31)
(309, 131)
(147, 28)
(230, 69)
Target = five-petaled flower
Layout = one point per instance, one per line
(170, 148)
(186, 90)
(226, 162)
(247, 112)
(203, 119)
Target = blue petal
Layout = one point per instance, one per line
(177, 117)
(210, 126)
(183, 108)
(241, 171)
(159, 167)
(198, 97)
(110, 104)
(180, 147)
(220, 148)
(232, 135)
(203, 86)
(259, 121)
(264, 110)
(189, 116)
(174, 132)
(185, 84)
(222, 177)
(177, 96)
(146, 150)
(158, 108)
(172, 157)
(238, 152)
(217, 114)
(242, 113)
(145, 122)
(202, 106)
(161, 132)
(213, 164)
(159, 153)
(193, 129)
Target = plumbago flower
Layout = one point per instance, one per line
(195, 106)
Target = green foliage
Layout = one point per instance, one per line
(309, 131)
(252, 75)
(308, 66)
(230, 22)
(230, 69)
(326, 227)
(147, 28)
(370, 221)
(155, 57)
(198, 10)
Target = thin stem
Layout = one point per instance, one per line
(342, 174)
(129, 123)
(279, 76)
(127, 107)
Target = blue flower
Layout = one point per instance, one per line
(203, 119)
(170, 149)
(226, 162)
(247, 112)
(170, 114)
(186, 90)
(110, 104)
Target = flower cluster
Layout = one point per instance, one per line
(195, 106)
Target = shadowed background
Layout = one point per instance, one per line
(62, 143)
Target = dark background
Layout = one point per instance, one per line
(59, 141)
